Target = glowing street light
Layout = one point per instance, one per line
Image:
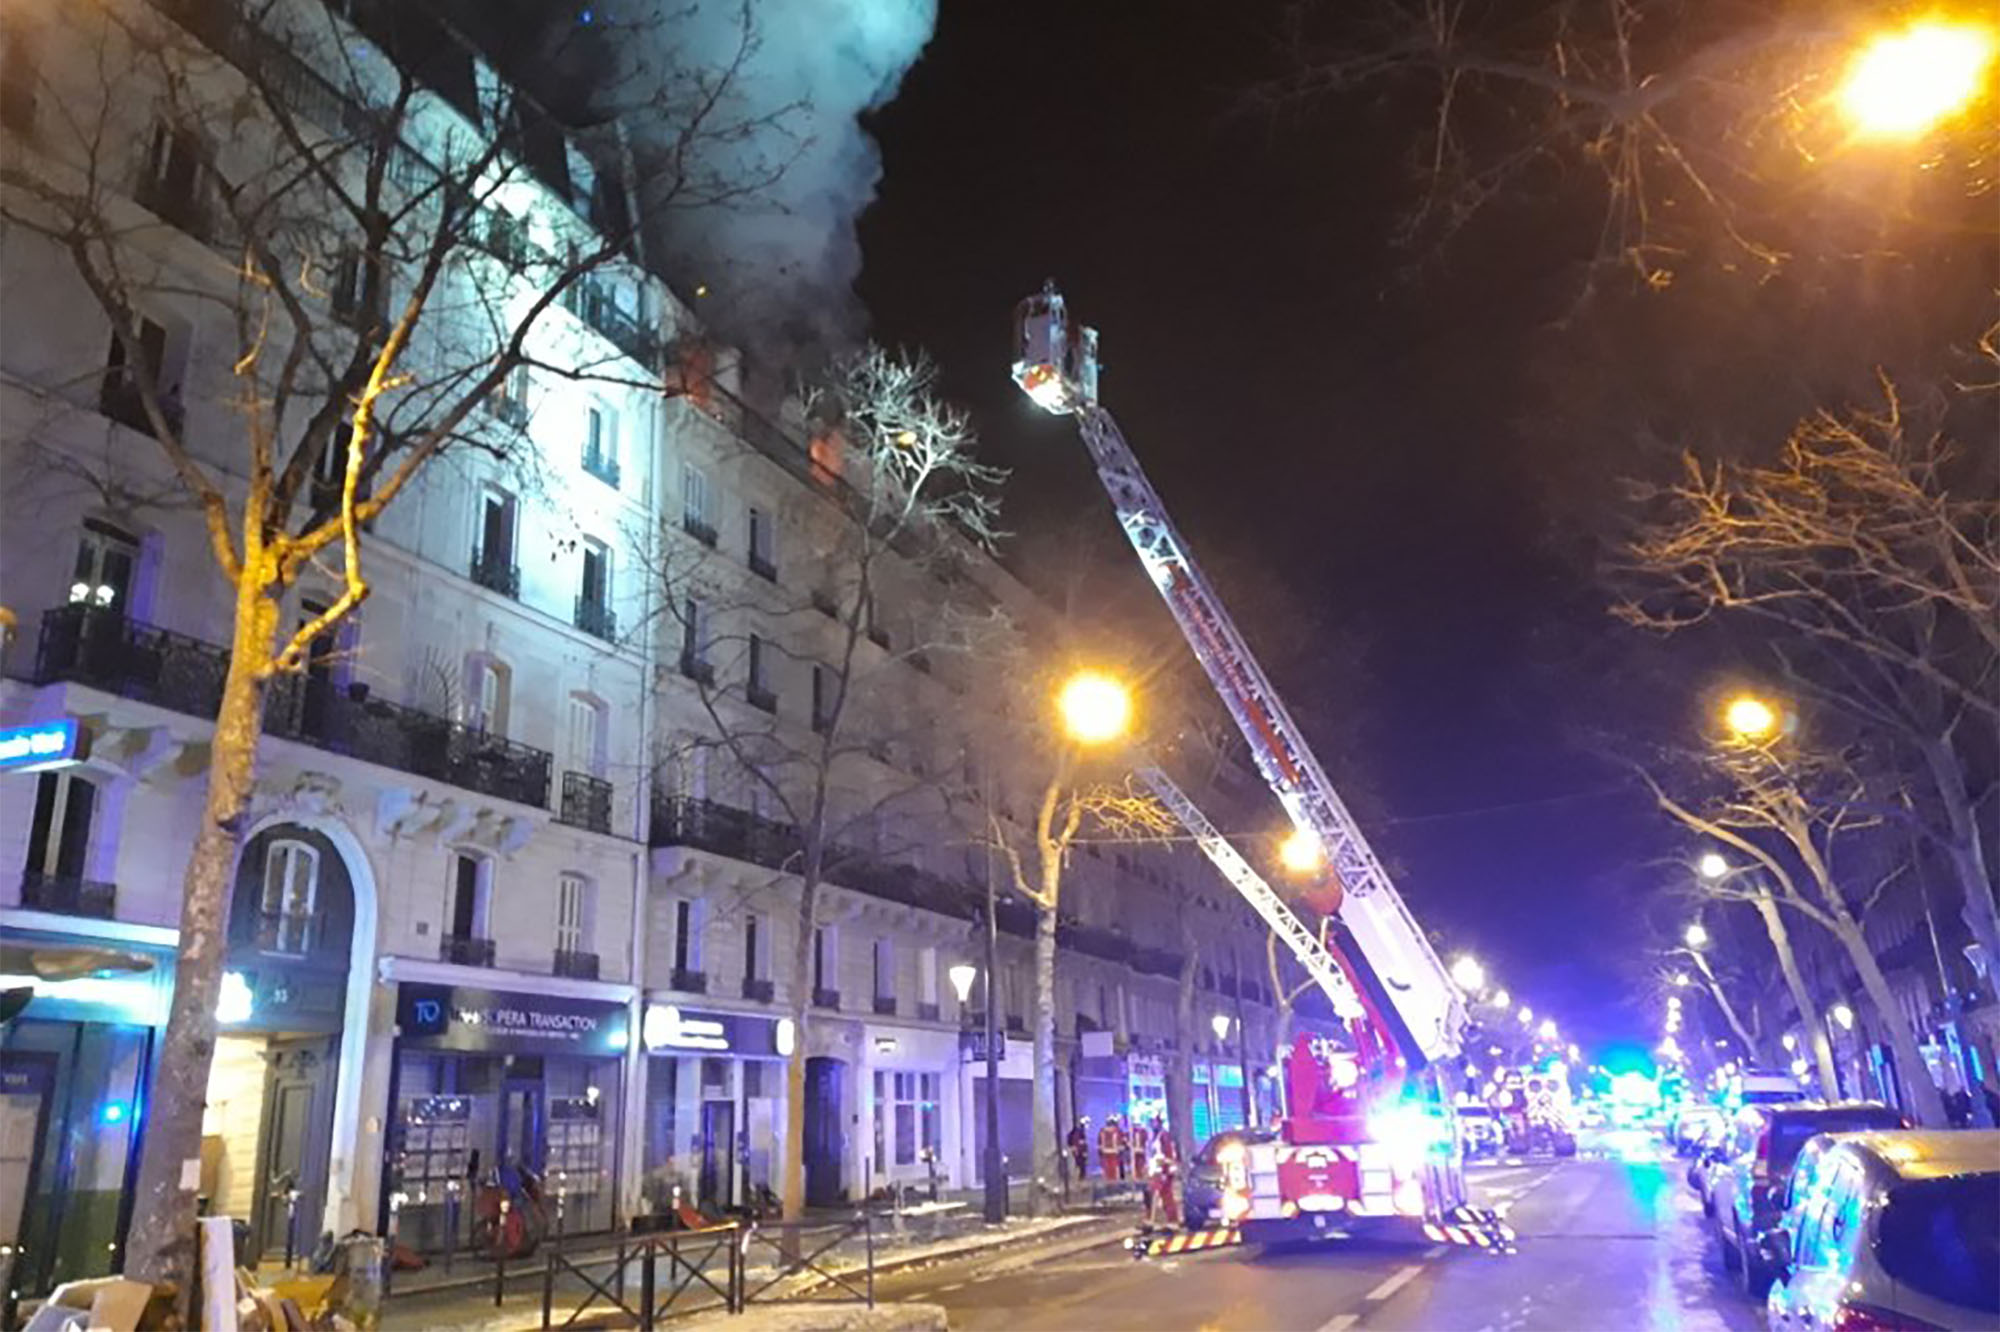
(1095, 708)
(961, 978)
(1219, 1024)
(1526, 1015)
(1301, 853)
(1681, 981)
(1502, 999)
(1697, 935)
(1789, 1041)
(1467, 974)
(1547, 1031)
(1904, 84)
(1711, 866)
(1750, 719)
(1844, 1016)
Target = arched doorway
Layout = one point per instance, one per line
(826, 1131)
(268, 1133)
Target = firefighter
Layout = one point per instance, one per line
(1136, 1159)
(1164, 1164)
(1079, 1147)
(1111, 1148)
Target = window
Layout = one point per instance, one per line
(885, 969)
(122, 393)
(687, 936)
(694, 639)
(600, 445)
(508, 402)
(471, 887)
(488, 682)
(586, 735)
(927, 976)
(173, 173)
(493, 563)
(906, 1117)
(105, 558)
(593, 597)
(826, 697)
(291, 892)
(763, 545)
(825, 961)
(59, 836)
(346, 291)
(759, 684)
(753, 930)
(573, 914)
(695, 510)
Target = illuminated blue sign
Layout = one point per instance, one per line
(52, 744)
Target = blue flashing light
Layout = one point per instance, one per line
(113, 1112)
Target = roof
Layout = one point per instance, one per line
(1915, 1154)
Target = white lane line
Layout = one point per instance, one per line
(1393, 1284)
(1340, 1322)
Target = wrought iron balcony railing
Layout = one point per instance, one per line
(823, 998)
(104, 649)
(597, 619)
(700, 529)
(576, 964)
(697, 669)
(493, 571)
(760, 698)
(759, 991)
(763, 568)
(602, 466)
(885, 1005)
(927, 1012)
(465, 950)
(67, 895)
(690, 981)
(586, 802)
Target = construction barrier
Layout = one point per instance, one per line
(1472, 1227)
(1192, 1241)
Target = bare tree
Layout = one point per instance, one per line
(899, 500)
(1868, 555)
(378, 265)
(1790, 813)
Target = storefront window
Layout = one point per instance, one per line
(906, 1116)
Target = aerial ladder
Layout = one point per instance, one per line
(1370, 1136)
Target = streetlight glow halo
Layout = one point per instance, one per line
(1096, 708)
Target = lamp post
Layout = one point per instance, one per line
(995, 1164)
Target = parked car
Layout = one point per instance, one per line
(1201, 1194)
(1481, 1129)
(1707, 1156)
(1891, 1230)
(1687, 1128)
(1754, 1087)
(1747, 1190)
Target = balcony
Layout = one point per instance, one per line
(465, 950)
(885, 1005)
(108, 651)
(597, 619)
(759, 991)
(586, 802)
(927, 1012)
(287, 933)
(589, 300)
(698, 669)
(823, 998)
(725, 831)
(576, 964)
(763, 567)
(699, 529)
(691, 982)
(67, 895)
(760, 698)
(496, 572)
(602, 466)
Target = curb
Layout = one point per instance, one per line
(1114, 1233)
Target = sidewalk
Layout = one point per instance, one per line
(460, 1308)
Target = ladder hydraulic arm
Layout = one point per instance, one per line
(1056, 365)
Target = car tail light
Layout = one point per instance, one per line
(1870, 1318)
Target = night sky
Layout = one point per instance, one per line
(1336, 421)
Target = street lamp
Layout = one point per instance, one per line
(1219, 1024)
(1711, 866)
(1096, 709)
(961, 978)
(1547, 1031)
(1526, 1015)
(1844, 1016)
(1904, 84)
(1468, 974)
(1681, 980)
(1697, 935)
(1501, 999)
(1750, 719)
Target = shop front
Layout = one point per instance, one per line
(1016, 1107)
(909, 1094)
(504, 1094)
(715, 1097)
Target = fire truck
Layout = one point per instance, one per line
(1370, 1139)
(1538, 1109)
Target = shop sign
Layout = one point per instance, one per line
(975, 1046)
(45, 745)
(454, 1017)
(668, 1028)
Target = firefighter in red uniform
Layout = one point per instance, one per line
(1111, 1148)
(1165, 1164)
(1136, 1158)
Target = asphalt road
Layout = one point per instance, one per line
(1611, 1240)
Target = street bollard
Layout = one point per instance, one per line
(500, 1254)
(291, 1229)
(646, 1288)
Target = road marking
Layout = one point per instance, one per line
(1393, 1284)
(1340, 1322)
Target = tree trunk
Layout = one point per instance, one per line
(1750, 1045)
(160, 1243)
(1926, 1104)
(1180, 1073)
(1967, 854)
(1788, 962)
(792, 1191)
(1047, 1143)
